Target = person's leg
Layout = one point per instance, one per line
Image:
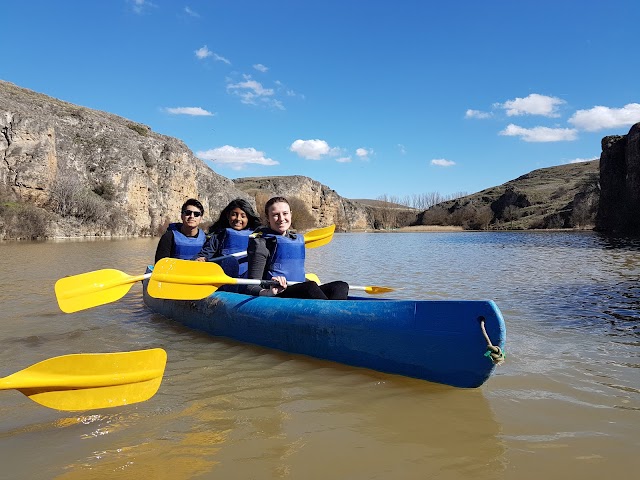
(335, 290)
(308, 290)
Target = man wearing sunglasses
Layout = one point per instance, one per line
(183, 240)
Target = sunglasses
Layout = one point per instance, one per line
(188, 213)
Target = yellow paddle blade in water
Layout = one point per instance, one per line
(319, 237)
(88, 381)
(375, 289)
(91, 289)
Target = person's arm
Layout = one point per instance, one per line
(210, 249)
(257, 257)
(165, 245)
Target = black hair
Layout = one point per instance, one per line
(273, 200)
(253, 220)
(194, 203)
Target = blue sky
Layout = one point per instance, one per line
(370, 98)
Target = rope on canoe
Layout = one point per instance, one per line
(493, 352)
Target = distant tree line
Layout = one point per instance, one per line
(420, 201)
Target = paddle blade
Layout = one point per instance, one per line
(319, 237)
(186, 280)
(313, 277)
(374, 289)
(91, 380)
(87, 290)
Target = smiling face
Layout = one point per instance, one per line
(237, 219)
(189, 217)
(279, 216)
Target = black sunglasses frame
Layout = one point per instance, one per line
(188, 213)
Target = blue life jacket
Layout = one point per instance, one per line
(185, 247)
(237, 241)
(287, 259)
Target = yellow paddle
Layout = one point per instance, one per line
(185, 280)
(87, 381)
(91, 289)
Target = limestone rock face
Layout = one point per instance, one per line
(619, 207)
(139, 178)
(325, 205)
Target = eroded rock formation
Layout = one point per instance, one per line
(619, 208)
(135, 179)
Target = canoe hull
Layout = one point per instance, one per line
(435, 340)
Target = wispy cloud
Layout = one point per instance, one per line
(194, 111)
(534, 104)
(363, 153)
(402, 149)
(191, 13)
(204, 52)
(343, 159)
(313, 149)
(235, 158)
(477, 114)
(599, 117)
(441, 162)
(540, 134)
(140, 6)
(261, 68)
(582, 160)
(253, 92)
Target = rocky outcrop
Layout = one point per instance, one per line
(324, 204)
(124, 178)
(619, 208)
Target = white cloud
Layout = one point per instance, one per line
(252, 92)
(204, 52)
(477, 114)
(195, 111)
(260, 67)
(441, 162)
(402, 149)
(139, 6)
(599, 118)
(540, 134)
(343, 159)
(363, 153)
(534, 104)
(191, 13)
(311, 149)
(582, 160)
(235, 158)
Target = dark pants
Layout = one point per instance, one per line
(327, 291)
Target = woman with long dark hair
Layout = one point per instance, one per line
(230, 233)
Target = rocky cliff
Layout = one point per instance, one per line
(94, 173)
(86, 172)
(324, 205)
(619, 209)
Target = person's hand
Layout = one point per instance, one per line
(201, 259)
(275, 289)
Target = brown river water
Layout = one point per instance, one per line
(565, 404)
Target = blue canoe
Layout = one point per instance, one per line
(436, 340)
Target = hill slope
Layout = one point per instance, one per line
(565, 196)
